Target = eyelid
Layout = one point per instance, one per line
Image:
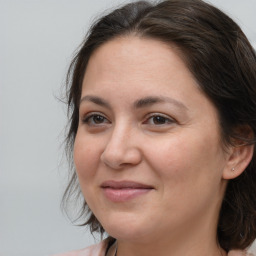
(155, 114)
(85, 118)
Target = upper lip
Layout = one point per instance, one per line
(124, 184)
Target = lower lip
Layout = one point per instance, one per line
(122, 195)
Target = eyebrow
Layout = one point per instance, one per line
(150, 100)
(140, 103)
(97, 100)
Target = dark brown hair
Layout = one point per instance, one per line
(223, 62)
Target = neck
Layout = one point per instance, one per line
(121, 248)
(196, 239)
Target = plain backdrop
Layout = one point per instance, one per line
(38, 38)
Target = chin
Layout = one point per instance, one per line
(129, 234)
(128, 228)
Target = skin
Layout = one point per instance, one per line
(180, 154)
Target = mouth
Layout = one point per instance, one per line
(121, 191)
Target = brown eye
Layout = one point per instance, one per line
(95, 119)
(159, 120)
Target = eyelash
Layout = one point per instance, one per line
(89, 119)
(166, 119)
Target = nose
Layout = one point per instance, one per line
(122, 149)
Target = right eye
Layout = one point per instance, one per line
(95, 119)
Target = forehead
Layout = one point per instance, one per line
(132, 59)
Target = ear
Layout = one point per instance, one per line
(238, 159)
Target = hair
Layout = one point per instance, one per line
(223, 62)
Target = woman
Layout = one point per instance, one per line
(162, 130)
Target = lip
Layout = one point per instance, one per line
(121, 191)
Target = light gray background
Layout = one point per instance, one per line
(37, 40)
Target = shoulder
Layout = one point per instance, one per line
(239, 253)
(93, 250)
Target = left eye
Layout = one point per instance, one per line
(159, 120)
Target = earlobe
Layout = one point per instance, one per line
(238, 160)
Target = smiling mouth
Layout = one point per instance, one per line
(121, 191)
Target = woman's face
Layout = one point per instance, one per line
(147, 151)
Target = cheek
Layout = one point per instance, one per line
(188, 175)
(187, 159)
(85, 158)
(169, 155)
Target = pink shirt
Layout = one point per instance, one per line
(93, 250)
(100, 250)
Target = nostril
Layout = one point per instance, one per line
(121, 158)
(111, 160)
